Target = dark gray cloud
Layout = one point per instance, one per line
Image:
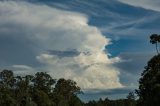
(67, 53)
(16, 49)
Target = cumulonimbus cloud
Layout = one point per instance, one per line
(63, 42)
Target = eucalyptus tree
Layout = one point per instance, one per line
(43, 81)
(65, 92)
(155, 39)
(149, 83)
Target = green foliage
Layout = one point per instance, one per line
(131, 99)
(43, 81)
(42, 90)
(70, 88)
(65, 92)
(37, 90)
(107, 102)
(41, 98)
(149, 84)
(155, 39)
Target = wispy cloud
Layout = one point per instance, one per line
(147, 4)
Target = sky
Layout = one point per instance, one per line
(103, 45)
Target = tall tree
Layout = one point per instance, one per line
(43, 81)
(131, 99)
(7, 79)
(149, 84)
(149, 88)
(155, 39)
(66, 91)
(7, 82)
(23, 90)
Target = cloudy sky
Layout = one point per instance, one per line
(103, 45)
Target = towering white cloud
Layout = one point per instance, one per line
(63, 42)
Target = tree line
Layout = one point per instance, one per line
(42, 90)
(38, 90)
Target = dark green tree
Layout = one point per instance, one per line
(7, 82)
(43, 81)
(7, 79)
(131, 99)
(23, 90)
(149, 83)
(37, 90)
(42, 99)
(66, 91)
(155, 39)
